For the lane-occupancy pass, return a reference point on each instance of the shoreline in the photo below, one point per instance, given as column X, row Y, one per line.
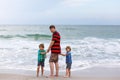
column 94, row 73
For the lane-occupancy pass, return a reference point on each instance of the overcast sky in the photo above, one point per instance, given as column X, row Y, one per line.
column 74, row 12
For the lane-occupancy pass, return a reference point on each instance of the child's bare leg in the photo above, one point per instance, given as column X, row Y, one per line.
column 67, row 73
column 38, row 71
column 42, row 71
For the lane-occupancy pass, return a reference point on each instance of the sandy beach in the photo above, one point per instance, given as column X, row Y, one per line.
column 94, row 73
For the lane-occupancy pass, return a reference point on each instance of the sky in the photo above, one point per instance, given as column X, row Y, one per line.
column 65, row 12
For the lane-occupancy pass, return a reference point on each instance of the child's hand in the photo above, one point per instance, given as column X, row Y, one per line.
column 47, row 52
column 45, row 56
column 43, row 52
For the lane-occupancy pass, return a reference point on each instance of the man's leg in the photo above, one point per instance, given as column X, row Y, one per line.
column 51, row 68
column 57, row 69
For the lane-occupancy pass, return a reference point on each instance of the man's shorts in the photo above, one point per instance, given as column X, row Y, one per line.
column 54, row 58
column 68, row 65
column 41, row 63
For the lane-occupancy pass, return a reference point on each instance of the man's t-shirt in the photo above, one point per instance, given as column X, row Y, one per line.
column 68, row 57
column 56, row 49
column 41, row 57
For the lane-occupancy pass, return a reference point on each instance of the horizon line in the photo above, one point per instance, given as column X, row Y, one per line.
column 59, row 24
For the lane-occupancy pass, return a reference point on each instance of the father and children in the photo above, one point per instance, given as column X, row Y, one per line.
column 55, row 49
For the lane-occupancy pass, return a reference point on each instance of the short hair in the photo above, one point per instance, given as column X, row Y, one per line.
column 68, row 47
column 52, row 26
column 41, row 45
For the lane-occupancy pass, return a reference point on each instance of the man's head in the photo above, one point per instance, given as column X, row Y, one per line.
column 52, row 28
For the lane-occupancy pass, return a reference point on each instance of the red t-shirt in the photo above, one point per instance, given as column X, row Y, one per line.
column 56, row 49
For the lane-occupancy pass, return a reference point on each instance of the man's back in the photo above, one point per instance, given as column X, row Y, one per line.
column 56, row 49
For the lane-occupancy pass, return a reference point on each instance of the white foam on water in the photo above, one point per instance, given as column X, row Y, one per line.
column 87, row 52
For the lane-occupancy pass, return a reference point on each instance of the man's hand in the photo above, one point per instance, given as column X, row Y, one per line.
column 48, row 50
column 51, row 44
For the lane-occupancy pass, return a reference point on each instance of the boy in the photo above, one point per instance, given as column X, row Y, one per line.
column 41, row 59
column 68, row 61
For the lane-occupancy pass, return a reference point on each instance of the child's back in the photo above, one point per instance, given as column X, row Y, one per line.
column 41, row 55
column 41, row 59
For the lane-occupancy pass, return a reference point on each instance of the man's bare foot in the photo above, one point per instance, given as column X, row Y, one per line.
column 56, row 75
column 50, row 76
column 66, row 76
column 37, row 76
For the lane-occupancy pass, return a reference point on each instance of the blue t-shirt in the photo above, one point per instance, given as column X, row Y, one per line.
column 68, row 57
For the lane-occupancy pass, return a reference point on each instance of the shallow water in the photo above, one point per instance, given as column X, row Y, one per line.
column 91, row 45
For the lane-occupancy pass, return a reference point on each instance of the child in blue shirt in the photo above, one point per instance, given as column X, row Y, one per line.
column 41, row 59
column 68, row 61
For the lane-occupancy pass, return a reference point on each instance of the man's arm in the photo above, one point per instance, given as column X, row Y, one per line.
column 63, row 54
column 51, row 44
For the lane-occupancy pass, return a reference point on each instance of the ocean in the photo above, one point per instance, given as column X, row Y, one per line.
column 91, row 45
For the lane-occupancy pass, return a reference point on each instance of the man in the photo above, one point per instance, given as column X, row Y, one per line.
column 55, row 51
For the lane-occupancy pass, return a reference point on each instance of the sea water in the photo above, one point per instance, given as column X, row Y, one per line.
column 91, row 45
